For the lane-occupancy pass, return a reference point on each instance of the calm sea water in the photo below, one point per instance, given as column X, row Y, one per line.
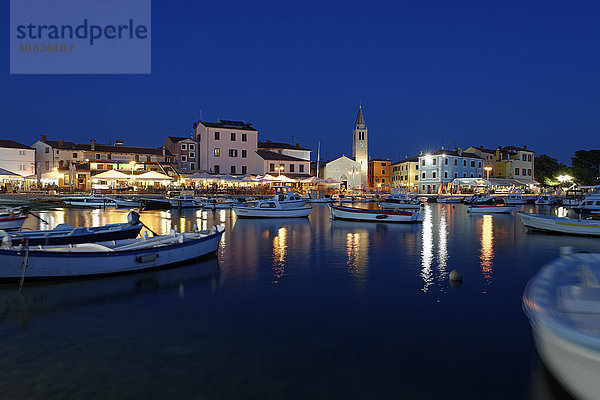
column 292, row 309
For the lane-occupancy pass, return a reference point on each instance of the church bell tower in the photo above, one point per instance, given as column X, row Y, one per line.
column 360, row 151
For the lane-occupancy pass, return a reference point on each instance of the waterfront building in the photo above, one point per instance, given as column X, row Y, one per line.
column 17, row 158
column 185, row 153
column 343, row 169
column 226, row 147
column 286, row 149
column 379, row 174
column 55, row 157
column 438, row 169
column 405, row 174
column 273, row 163
column 360, row 145
column 508, row 162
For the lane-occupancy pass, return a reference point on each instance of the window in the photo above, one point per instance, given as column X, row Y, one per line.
column 517, row 171
column 445, row 161
column 464, row 175
column 233, row 153
column 47, row 165
column 47, row 150
column 183, row 146
column 244, row 168
column 423, row 187
column 233, row 169
column 244, row 153
column 433, row 174
column 529, row 172
column 423, row 175
column 423, row 163
column 100, row 166
column 455, row 162
column 217, row 169
column 232, row 136
column 529, row 158
column 109, row 156
column 383, row 172
column 74, row 155
column 301, row 167
column 97, row 156
column 192, row 155
column 464, row 163
column 479, row 175
column 471, row 175
column 472, row 164
column 244, row 138
column 433, row 187
column 383, row 164
column 382, row 180
column 217, row 152
column 192, row 166
column 445, row 174
column 455, row 175
column 183, row 158
column 416, row 177
column 191, row 147
column 272, row 167
column 217, row 136
column 479, row 164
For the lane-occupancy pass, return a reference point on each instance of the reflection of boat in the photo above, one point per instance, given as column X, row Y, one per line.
column 66, row 234
column 367, row 215
column 449, row 200
column 270, row 208
column 11, row 218
column 567, row 226
column 89, row 259
column 545, row 200
column 562, row 304
column 490, row 209
column 544, row 386
column 74, row 293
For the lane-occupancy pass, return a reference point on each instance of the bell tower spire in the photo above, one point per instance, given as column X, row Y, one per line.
column 360, row 151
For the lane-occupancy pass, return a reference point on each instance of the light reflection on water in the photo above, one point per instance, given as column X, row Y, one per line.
column 487, row 250
column 427, row 249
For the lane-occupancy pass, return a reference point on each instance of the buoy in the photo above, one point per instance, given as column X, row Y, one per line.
column 455, row 275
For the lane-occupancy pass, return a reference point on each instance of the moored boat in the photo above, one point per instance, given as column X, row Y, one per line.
column 545, row 200
column 561, row 225
column 515, row 198
column 90, row 201
column 399, row 201
column 269, row 208
column 286, row 198
column 449, row 199
column 66, row 234
column 105, row 258
column 342, row 198
column 12, row 219
column 490, row 209
column 562, row 303
column 185, row 201
column 364, row 214
column 591, row 203
column 480, row 198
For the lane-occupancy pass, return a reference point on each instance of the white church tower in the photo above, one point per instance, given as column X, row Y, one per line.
column 360, row 151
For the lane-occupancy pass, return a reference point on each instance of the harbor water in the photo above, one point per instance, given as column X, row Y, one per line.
column 308, row 308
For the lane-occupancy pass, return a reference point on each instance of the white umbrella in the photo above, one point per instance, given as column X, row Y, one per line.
column 153, row 176
column 111, row 175
column 312, row 179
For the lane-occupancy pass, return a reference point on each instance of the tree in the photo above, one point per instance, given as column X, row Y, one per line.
column 586, row 167
column 547, row 169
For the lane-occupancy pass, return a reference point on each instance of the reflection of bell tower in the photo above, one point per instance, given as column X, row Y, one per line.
column 360, row 151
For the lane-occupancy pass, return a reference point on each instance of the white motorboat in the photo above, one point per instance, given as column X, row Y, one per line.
column 185, row 201
column 567, row 226
column 269, row 208
column 11, row 219
column 399, row 201
column 125, row 202
column 591, row 203
column 514, row 199
column 217, row 204
column 449, row 199
column 104, row 258
column 90, row 201
column 490, row 209
column 368, row 215
column 480, row 198
column 286, row 198
column 326, row 199
column 573, row 197
column 342, row 198
column 562, row 302
column 545, row 200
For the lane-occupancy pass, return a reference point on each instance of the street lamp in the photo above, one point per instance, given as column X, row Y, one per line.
column 280, row 168
column 132, row 163
column 488, row 169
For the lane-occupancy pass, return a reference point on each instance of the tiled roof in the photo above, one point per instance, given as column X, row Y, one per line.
column 105, row 148
column 13, row 145
column 272, row 156
column 411, row 159
column 278, row 145
column 455, row 153
column 176, row 139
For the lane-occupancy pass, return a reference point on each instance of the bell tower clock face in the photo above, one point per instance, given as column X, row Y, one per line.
column 362, row 144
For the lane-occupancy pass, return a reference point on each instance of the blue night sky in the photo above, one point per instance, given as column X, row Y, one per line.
column 481, row 73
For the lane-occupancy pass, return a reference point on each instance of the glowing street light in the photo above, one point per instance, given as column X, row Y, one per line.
column 488, row 169
column 280, row 168
column 564, row 178
column 132, row 163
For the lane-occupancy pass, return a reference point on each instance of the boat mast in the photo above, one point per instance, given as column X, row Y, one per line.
column 318, row 157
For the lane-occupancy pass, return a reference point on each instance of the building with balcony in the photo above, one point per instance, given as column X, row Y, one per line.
column 439, row 168
column 225, row 147
column 379, row 174
column 405, row 174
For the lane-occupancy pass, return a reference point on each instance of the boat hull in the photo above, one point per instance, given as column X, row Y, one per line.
column 449, row 200
column 398, row 206
column 43, row 265
column 257, row 212
column 53, row 237
column 12, row 223
column 485, row 209
column 565, row 226
column 366, row 215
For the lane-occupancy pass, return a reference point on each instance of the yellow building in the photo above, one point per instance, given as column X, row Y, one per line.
column 508, row 162
column 405, row 174
column 379, row 174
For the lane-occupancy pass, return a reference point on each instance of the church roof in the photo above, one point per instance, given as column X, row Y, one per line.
column 360, row 119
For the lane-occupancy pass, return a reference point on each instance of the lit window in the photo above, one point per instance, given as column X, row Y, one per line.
column 217, row 152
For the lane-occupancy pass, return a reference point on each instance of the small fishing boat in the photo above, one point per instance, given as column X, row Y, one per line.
column 490, row 209
column 12, row 218
column 105, row 258
column 562, row 303
column 126, row 202
column 185, row 201
column 270, row 208
column 90, row 201
column 285, row 196
column 66, row 234
column 514, row 199
column 480, row 198
column 449, row 199
column 399, row 201
column 545, row 200
column 567, row 226
column 342, row 198
column 326, row 199
column 217, row 203
column 364, row 214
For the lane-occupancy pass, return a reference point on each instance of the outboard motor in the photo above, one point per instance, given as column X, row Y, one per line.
column 133, row 218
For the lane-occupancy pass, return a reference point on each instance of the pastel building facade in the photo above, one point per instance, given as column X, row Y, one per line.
column 508, row 162
column 405, row 174
column 185, row 153
column 441, row 167
column 343, row 169
column 226, row 147
column 17, row 158
column 276, row 158
column 379, row 174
